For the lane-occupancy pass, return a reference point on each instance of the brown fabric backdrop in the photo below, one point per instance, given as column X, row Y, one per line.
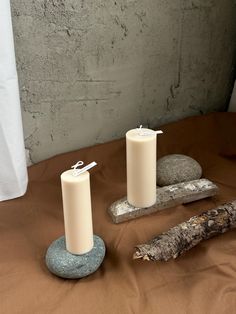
column 201, row 281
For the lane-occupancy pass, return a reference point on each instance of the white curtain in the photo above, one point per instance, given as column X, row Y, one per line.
column 232, row 103
column 13, row 171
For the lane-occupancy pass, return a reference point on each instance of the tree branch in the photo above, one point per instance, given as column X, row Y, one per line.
column 188, row 234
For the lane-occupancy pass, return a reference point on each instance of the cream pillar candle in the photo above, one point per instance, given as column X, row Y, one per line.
column 77, row 210
column 141, row 167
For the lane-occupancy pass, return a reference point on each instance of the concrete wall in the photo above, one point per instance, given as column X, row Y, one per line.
column 91, row 70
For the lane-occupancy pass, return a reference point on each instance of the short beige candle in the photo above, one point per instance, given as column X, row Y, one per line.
column 141, row 167
column 77, row 212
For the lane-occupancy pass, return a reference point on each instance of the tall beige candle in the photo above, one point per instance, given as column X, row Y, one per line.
column 141, row 167
column 77, row 211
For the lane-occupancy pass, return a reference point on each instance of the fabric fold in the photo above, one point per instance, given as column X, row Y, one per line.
column 13, row 170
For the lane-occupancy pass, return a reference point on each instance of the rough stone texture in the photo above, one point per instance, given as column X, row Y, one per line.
column 167, row 196
column 66, row 265
column 188, row 234
column 91, row 70
column 176, row 168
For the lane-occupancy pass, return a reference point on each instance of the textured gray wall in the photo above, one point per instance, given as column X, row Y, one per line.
column 90, row 70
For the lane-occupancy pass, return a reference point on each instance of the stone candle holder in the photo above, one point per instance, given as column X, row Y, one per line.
column 64, row 264
column 166, row 197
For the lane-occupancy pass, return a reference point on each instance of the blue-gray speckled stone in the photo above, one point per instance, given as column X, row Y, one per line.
column 66, row 265
column 176, row 168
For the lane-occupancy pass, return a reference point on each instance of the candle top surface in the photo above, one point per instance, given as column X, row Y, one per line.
column 141, row 135
column 68, row 176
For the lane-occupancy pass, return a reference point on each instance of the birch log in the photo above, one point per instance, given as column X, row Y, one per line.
column 166, row 197
column 188, row 234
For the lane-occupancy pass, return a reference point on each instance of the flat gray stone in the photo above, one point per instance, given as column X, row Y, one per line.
column 167, row 196
column 66, row 265
column 176, row 168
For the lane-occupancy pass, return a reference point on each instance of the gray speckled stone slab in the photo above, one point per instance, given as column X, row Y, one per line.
column 176, row 168
column 66, row 265
column 167, row 196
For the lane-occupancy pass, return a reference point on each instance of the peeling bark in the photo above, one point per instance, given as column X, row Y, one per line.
column 188, row 234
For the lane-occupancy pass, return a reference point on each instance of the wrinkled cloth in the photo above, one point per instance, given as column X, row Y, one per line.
column 201, row 281
column 232, row 103
column 13, row 171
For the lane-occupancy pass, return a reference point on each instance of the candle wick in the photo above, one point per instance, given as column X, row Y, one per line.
column 159, row 132
column 77, row 171
column 141, row 132
column 79, row 163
